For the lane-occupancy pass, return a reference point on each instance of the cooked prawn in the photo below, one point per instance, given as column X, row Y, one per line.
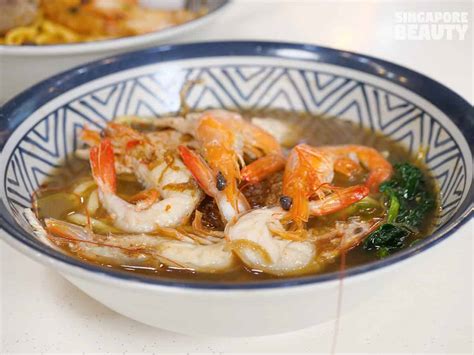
column 250, row 139
column 214, row 185
column 173, row 181
column 308, row 174
column 223, row 138
column 136, row 249
column 255, row 244
column 217, row 168
column 259, row 239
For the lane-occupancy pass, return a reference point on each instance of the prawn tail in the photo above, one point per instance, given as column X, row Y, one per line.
column 103, row 166
column 263, row 167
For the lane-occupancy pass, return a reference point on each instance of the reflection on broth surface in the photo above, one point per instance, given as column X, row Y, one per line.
column 173, row 200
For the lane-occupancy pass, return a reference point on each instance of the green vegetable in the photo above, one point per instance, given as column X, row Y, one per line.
column 365, row 207
column 388, row 236
column 409, row 186
column 409, row 202
column 383, row 252
column 394, row 208
column 366, row 203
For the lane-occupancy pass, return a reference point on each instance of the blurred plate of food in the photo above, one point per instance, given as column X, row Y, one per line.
column 39, row 38
column 80, row 26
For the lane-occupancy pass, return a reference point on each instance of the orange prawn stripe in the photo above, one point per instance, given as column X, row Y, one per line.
column 103, row 165
column 199, row 169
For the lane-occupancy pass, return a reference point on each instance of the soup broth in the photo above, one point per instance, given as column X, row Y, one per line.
column 55, row 199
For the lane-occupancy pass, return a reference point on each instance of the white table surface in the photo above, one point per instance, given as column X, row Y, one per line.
column 427, row 308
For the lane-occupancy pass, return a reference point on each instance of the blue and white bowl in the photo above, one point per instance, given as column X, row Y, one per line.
column 39, row 128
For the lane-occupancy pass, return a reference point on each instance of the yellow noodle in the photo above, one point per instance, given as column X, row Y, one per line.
column 81, row 188
column 44, row 31
column 93, row 203
column 21, row 35
column 97, row 225
column 59, row 33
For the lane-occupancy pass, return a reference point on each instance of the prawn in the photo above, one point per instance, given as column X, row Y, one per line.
column 173, row 181
column 216, row 167
column 223, row 138
column 310, row 171
column 307, row 185
column 255, row 142
column 260, row 240
column 137, row 249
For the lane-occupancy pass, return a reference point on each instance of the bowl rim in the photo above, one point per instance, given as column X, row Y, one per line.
column 99, row 46
column 454, row 106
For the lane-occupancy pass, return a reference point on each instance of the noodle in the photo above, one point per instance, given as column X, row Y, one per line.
column 41, row 32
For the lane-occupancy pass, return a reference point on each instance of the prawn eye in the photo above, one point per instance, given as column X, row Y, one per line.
column 221, row 182
column 286, row 202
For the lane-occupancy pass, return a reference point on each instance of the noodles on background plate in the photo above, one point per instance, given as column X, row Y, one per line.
column 47, row 22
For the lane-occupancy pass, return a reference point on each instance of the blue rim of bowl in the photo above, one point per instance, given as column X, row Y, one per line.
column 87, row 46
column 455, row 107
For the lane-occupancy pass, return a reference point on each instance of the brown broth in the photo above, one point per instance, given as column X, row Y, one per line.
column 313, row 130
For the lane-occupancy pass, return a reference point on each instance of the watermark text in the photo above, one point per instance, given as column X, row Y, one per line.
column 431, row 26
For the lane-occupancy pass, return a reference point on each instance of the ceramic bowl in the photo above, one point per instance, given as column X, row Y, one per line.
column 22, row 66
column 39, row 128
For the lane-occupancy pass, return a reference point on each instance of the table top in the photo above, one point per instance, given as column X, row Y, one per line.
column 427, row 308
